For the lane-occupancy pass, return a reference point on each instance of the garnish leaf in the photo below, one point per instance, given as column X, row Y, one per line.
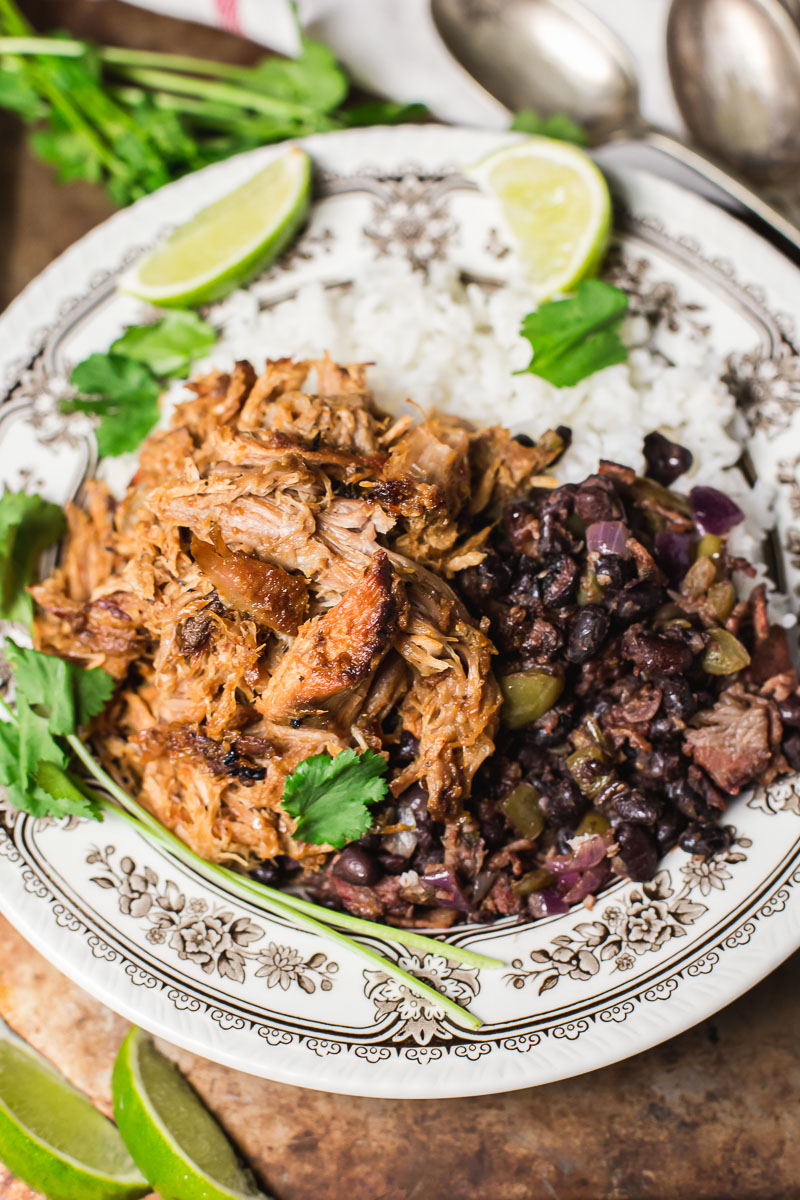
column 167, row 346
column 28, row 525
column 18, row 96
column 573, row 338
column 32, row 769
column 314, row 79
column 330, row 797
column 558, row 126
column 123, row 393
column 68, row 694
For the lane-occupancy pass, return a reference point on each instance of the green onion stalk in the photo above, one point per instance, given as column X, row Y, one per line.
column 303, row 914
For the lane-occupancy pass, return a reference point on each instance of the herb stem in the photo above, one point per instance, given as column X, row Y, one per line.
column 53, row 47
column 261, row 891
column 139, row 817
column 211, row 90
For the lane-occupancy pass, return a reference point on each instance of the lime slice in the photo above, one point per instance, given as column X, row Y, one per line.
column 225, row 244
column 53, row 1138
column 176, row 1142
column 555, row 206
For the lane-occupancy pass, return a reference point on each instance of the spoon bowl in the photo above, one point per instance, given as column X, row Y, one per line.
column 735, row 70
column 555, row 56
column 550, row 55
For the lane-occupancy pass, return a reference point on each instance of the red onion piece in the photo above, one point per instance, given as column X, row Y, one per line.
column 607, row 537
column 590, row 882
column 714, row 512
column 588, row 854
column 673, row 554
column 444, row 881
column 547, row 903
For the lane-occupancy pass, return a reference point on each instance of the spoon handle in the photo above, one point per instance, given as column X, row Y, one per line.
column 735, row 189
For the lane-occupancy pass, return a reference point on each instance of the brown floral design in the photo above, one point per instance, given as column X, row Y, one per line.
column 217, row 941
column 652, row 914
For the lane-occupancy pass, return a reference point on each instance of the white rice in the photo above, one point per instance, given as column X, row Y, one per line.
column 455, row 347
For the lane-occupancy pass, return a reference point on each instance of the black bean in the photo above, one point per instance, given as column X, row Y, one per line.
column 553, row 727
column 790, row 711
column 523, row 439
column 636, row 602
column 669, row 829
column 638, row 850
column 560, row 583
column 690, row 802
column 563, row 837
column 597, row 500
column 490, row 578
column 637, row 808
column 791, row 748
column 704, row 839
column 356, row 866
column 666, row 460
column 655, row 653
column 268, row 872
column 677, row 697
column 392, row 864
column 406, row 749
column 562, row 801
column 586, row 631
column 611, row 570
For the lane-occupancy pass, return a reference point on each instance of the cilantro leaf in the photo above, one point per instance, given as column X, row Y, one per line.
column 313, row 80
column 383, row 112
column 167, row 346
column 32, row 769
column 68, row 694
column 558, row 126
column 18, row 95
column 28, row 525
column 330, row 797
column 123, row 393
column 573, row 338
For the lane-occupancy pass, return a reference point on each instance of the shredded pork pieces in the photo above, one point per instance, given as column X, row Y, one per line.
column 562, row 679
column 262, row 594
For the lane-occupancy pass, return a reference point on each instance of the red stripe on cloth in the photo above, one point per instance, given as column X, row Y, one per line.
column 228, row 13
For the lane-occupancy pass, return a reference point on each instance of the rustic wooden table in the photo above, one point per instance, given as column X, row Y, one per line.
column 708, row 1116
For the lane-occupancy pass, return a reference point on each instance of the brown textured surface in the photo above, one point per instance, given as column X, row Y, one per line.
column 708, row 1116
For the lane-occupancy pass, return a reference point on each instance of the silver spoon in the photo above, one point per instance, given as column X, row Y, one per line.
column 735, row 71
column 555, row 56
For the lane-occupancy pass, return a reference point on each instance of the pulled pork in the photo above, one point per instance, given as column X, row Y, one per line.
column 261, row 593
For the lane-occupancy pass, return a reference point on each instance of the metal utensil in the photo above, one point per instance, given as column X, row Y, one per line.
column 555, row 56
column 735, row 71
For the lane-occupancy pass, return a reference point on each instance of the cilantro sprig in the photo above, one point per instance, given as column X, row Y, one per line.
column 53, row 698
column 122, row 386
column 28, row 525
column 558, row 126
column 576, row 337
column 134, row 119
column 330, row 798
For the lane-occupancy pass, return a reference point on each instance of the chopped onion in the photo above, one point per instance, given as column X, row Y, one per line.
column 673, row 554
column 444, row 881
column 587, row 853
column 607, row 537
column 713, row 511
column 547, row 903
column 589, row 883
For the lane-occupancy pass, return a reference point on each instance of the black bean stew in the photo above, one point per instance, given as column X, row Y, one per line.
column 641, row 693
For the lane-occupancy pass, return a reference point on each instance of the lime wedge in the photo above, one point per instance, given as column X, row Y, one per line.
column 176, row 1142
column 53, row 1138
column 555, row 206
column 225, row 244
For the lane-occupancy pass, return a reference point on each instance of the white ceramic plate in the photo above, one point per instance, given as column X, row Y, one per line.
column 183, row 959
